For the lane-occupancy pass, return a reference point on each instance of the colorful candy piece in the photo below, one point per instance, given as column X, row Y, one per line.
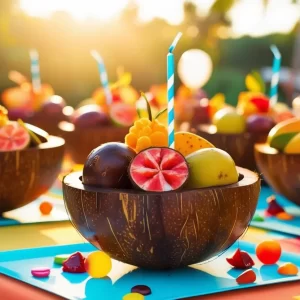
column 98, row 264
column 60, row 259
column 241, row 260
column 258, row 218
column 288, row 269
column 284, row 216
column 141, row 289
column 46, row 208
column 273, row 207
column 74, row 264
column 133, row 296
column 248, row 276
column 40, row 272
column 268, row 252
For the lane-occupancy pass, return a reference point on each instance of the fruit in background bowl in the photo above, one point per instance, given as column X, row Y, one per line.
column 279, row 159
column 259, row 123
column 30, row 158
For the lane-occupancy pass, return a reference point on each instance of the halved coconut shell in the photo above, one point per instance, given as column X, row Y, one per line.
column 162, row 230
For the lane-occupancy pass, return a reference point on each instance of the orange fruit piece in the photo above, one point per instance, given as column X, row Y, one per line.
column 288, row 269
column 46, row 208
column 284, row 216
column 248, row 276
column 268, row 252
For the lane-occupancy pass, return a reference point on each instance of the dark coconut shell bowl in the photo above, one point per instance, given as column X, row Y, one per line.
column 81, row 141
column 29, row 173
column 162, row 230
column 280, row 170
column 239, row 146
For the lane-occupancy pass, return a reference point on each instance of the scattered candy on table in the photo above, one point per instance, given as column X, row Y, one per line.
column 258, row 218
column 60, row 259
column 141, row 289
column 40, row 272
column 133, row 296
column 268, row 252
column 46, row 208
column 284, row 216
column 98, row 264
column 240, row 260
column 248, row 276
column 273, row 207
column 74, row 264
column 289, row 269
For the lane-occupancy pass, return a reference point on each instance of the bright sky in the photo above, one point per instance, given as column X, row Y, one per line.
column 248, row 16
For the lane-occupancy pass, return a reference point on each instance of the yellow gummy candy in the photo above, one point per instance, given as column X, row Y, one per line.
column 143, row 142
column 98, row 264
column 131, row 140
column 133, row 296
column 159, row 139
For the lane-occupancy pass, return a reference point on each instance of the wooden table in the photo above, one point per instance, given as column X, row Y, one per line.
column 26, row 236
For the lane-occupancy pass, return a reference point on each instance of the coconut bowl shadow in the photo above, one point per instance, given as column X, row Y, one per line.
column 81, row 141
column 239, row 146
column 280, row 170
column 162, row 230
column 29, row 173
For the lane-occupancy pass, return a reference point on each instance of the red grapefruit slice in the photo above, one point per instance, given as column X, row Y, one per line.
column 13, row 137
column 123, row 114
column 159, row 170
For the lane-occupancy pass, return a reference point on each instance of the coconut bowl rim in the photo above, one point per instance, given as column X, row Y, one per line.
column 62, row 126
column 205, row 128
column 246, row 178
column 266, row 149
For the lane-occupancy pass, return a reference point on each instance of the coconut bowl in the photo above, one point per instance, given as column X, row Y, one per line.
column 239, row 146
column 81, row 141
column 29, row 173
column 162, row 230
column 280, row 170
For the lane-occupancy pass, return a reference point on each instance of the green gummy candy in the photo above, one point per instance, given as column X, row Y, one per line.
column 60, row 259
column 258, row 218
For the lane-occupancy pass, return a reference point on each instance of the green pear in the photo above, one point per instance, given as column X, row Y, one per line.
column 211, row 167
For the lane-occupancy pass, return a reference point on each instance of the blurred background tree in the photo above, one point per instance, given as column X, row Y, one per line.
column 64, row 42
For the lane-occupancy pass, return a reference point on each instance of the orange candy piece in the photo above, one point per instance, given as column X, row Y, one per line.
column 46, row 208
column 288, row 269
column 248, row 276
column 268, row 252
column 284, row 216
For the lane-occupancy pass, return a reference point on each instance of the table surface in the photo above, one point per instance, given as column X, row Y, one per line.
column 37, row 235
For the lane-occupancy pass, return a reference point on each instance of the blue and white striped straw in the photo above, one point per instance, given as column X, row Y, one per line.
column 171, row 91
column 275, row 75
column 103, row 76
column 35, row 70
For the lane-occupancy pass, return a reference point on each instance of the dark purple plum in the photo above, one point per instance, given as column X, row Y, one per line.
column 201, row 112
column 107, row 166
column 89, row 116
column 19, row 113
column 53, row 106
column 259, row 123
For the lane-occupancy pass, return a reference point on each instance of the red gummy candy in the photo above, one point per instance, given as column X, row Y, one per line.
column 248, row 276
column 241, row 260
column 74, row 264
column 273, row 207
column 262, row 103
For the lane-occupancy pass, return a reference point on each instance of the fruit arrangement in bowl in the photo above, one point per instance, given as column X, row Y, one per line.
column 30, row 161
column 279, row 159
column 41, row 108
column 153, row 206
column 95, row 122
column 237, row 129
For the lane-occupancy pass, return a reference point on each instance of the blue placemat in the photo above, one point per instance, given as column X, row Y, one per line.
column 213, row 277
column 272, row 223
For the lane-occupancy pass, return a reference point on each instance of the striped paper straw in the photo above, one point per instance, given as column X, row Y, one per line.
column 275, row 75
column 103, row 76
column 35, row 70
column 171, row 91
